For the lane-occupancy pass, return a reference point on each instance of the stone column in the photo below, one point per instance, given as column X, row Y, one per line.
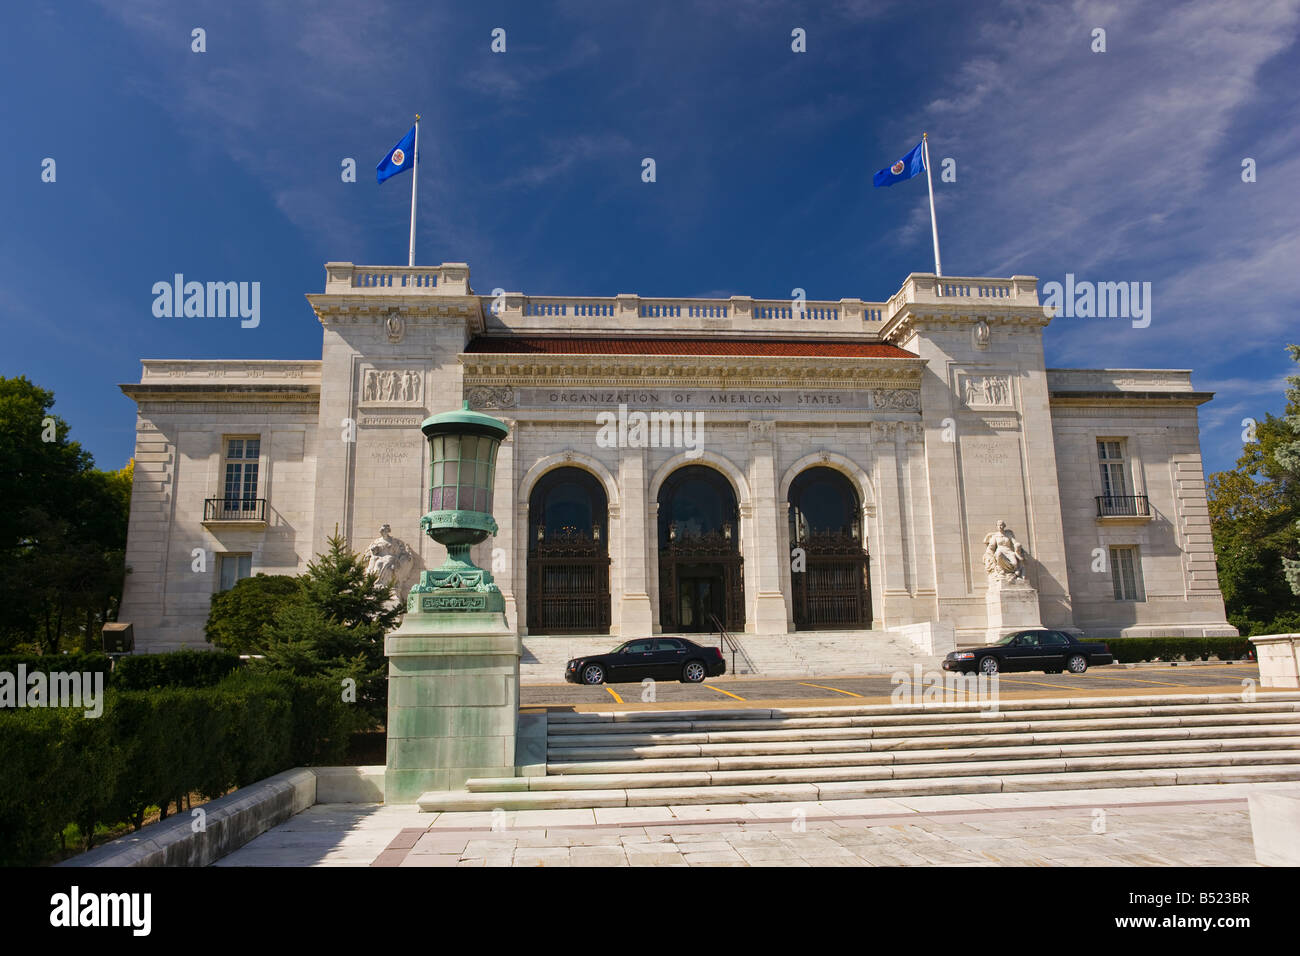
column 889, row 553
column 763, row 566
column 634, row 618
column 503, row 543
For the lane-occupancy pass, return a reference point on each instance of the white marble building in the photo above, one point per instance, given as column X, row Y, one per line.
column 820, row 465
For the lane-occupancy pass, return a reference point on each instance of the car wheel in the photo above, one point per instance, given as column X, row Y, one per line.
column 988, row 665
column 593, row 674
column 1077, row 664
column 693, row 672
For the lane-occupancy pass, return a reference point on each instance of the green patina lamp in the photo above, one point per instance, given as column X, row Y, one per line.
column 462, row 467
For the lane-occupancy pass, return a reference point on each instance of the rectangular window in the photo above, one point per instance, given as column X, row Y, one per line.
column 232, row 568
column 1114, row 468
column 1126, row 574
column 239, row 488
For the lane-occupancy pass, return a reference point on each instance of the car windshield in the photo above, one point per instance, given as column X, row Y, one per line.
column 1007, row 639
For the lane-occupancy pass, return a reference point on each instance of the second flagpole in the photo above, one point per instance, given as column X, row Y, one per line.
column 934, row 225
column 415, row 173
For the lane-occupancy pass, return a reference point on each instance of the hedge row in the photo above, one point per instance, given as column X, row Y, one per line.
column 152, row 747
column 45, row 663
column 177, row 669
column 135, row 671
column 1132, row 649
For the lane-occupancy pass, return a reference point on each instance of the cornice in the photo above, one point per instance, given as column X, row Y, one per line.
column 344, row 309
column 943, row 318
column 223, row 393
column 702, row 371
column 1157, row 399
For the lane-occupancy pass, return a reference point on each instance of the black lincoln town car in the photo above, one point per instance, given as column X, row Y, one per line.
column 660, row 658
column 1037, row 649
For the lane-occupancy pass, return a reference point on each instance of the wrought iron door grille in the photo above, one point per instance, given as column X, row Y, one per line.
column 568, row 585
column 834, row 589
column 707, row 549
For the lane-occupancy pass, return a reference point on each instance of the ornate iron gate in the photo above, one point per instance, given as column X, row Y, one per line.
column 685, row 554
column 834, row 590
column 568, row 585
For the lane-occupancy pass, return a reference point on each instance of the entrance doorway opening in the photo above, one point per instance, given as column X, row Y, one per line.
column 701, row 572
column 831, row 573
column 568, row 554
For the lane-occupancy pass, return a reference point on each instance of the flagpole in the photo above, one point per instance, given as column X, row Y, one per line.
column 415, row 172
column 934, row 225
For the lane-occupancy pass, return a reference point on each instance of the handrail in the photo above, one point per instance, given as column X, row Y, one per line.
column 725, row 641
column 1123, row 506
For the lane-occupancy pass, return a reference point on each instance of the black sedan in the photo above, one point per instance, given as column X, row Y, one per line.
column 660, row 658
column 1037, row 649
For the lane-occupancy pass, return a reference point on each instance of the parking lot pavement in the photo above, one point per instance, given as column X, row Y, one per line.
column 874, row 689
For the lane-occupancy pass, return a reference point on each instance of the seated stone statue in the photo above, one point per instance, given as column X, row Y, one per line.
column 1004, row 557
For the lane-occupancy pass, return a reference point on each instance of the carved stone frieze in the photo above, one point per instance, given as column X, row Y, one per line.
column 391, row 386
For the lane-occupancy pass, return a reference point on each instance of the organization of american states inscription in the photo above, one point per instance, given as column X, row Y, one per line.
column 584, row 397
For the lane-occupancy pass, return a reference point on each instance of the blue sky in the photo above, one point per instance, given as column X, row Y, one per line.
column 225, row 165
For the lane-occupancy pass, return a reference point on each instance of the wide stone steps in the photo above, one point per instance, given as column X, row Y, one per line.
column 956, row 753
column 883, row 770
column 558, row 755
column 570, row 743
column 849, row 790
column 661, row 758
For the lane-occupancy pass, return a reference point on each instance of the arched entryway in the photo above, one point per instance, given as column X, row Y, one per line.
column 830, row 571
column 568, row 554
column 701, row 571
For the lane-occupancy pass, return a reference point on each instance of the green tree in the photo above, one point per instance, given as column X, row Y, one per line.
column 62, row 530
column 236, row 617
column 337, row 630
column 1254, row 510
column 1287, row 456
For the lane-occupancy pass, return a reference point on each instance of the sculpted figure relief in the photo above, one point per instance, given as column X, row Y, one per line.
column 390, row 385
column 387, row 556
column 1004, row 557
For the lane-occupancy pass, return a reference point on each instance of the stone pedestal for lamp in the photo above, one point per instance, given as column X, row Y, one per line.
column 453, row 665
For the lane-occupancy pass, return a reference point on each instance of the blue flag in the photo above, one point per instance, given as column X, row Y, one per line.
column 910, row 165
column 400, row 158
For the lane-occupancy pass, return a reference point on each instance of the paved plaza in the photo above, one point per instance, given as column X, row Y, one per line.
column 1150, row 826
column 1107, row 681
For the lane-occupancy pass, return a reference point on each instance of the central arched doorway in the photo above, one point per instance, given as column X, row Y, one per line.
column 568, row 554
column 830, row 573
column 701, row 572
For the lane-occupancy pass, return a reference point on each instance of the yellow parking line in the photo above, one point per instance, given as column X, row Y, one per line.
column 1137, row 680
column 1004, row 677
column 721, row 691
column 824, row 687
column 612, row 694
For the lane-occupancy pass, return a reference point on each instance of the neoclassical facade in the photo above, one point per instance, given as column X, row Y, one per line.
column 679, row 465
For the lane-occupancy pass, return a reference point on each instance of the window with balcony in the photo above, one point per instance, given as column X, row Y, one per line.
column 1114, row 468
column 239, row 500
column 1116, row 499
column 1126, row 573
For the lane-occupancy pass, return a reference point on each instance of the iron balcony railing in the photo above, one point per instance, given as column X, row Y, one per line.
column 1123, row 506
column 234, row 509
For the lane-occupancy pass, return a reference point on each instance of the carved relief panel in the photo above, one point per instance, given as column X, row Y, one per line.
column 391, row 387
column 985, row 390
